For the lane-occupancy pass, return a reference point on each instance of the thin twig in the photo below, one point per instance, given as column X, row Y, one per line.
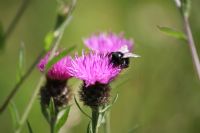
column 16, row 18
column 192, row 47
column 22, row 79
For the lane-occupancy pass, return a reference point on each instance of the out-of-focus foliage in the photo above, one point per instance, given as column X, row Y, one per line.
column 173, row 33
column 161, row 93
column 2, row 39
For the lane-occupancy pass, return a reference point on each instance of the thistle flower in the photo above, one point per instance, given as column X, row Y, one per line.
column 59, row 70
column 97, row 72
column 92, row 68
column 56, row 79
column 108, row 42
column 116, row 46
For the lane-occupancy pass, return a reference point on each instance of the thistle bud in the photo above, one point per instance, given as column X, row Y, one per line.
column 95, row 95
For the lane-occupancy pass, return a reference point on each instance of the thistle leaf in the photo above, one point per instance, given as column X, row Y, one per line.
column 103, row 111
column 48, row 40
column 79, row 107
column 62, row 118
column 173, row 33
column 45, row 112
column 100, row 119
column 52, row 108
column 59, row 57
column 89, row 128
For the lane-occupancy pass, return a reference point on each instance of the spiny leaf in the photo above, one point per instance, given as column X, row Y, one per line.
column 59, row 57
column 29, row 127
column 14, row 114
column 172, row 32
column 48, row 40
column 62, row 118
column 79, row 107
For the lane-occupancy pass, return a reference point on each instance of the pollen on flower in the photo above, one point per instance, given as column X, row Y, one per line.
column 108, row 42
column 92, row 68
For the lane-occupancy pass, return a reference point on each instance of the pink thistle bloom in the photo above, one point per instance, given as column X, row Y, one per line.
column 93, row 68
column 59, row 70
column 108, row 42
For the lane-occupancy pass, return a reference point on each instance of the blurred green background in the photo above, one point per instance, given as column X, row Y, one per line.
column 161, row 93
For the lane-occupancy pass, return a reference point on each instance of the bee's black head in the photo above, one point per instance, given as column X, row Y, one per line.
column 118, row 60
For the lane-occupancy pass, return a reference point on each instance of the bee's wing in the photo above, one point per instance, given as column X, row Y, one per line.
column 124, row 49
column 127, row 55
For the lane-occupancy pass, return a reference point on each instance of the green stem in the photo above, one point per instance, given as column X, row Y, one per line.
column 52, row 123
column 191, row 43
column 190, row 39
column 95, row 117
column 20, row 82
column 17, row 17
column 34, row 96
column 107, row 123
column 25, row 76
column 30, row 104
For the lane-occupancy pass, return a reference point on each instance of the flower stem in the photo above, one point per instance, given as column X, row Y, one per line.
column 16, row 18
column 52, row 123
column 95, row 118
column 25, row 76
column 107, row 123
column 56, row 41
column 20, row 82
column 30, row 104
column 191, row 44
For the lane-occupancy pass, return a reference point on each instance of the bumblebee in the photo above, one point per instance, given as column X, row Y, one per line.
column 122, row 57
